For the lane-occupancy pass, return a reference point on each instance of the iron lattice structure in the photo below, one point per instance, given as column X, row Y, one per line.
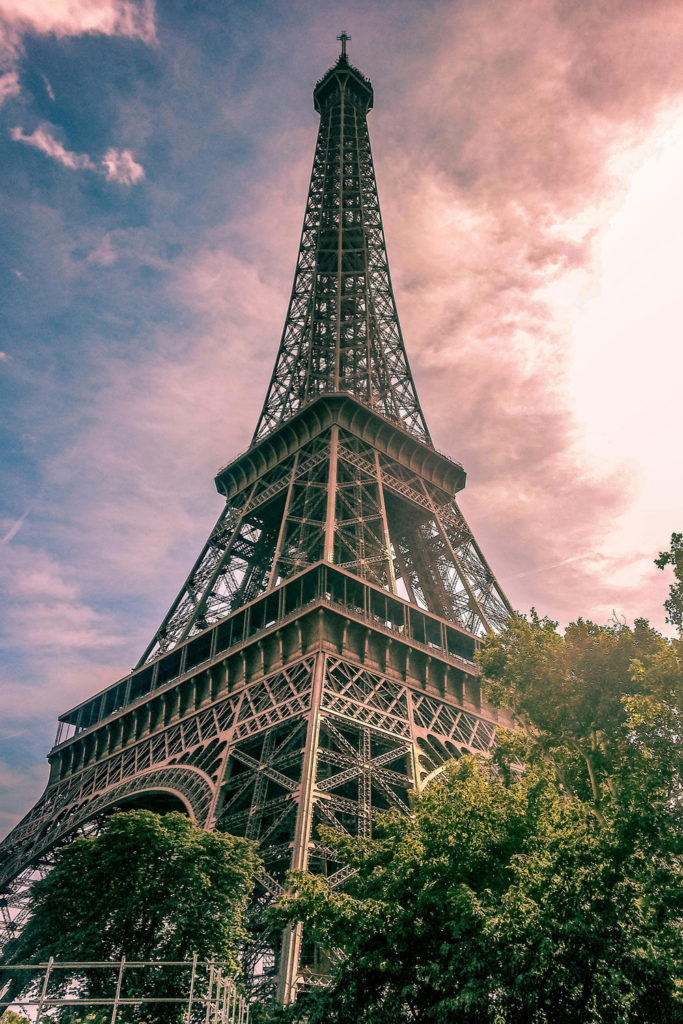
column 317, row 663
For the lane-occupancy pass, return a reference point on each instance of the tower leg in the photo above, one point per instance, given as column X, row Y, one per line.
column 291, row 940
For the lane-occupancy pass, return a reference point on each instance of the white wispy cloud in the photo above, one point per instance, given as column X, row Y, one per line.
column 43, row 140
column 48, row 88
column 9, row 85
column 45, row 605
column 117, row 165
column 17, row 525
column 64, row 18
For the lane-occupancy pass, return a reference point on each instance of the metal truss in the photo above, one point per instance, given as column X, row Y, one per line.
column 327, row 498
column 339, row 499
column 240, row 764
column 342, row 331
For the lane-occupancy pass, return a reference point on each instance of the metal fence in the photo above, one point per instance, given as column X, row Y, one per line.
column 205, row 992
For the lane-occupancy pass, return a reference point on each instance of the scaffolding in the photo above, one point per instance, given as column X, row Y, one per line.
column 205, row 990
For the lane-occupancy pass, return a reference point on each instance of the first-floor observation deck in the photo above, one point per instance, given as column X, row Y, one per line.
column 321, row 585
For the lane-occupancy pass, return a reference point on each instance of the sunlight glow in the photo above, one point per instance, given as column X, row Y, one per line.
column 627, row 339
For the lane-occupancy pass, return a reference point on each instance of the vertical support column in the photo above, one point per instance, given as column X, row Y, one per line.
column 414, row 750
column 283, row 525
column 117, row 996
column 209, row 997
column 385, row 526
column 291, row 939
column 214, row 808
column 192, row 981
column 340, row 244
column 330, row 517
column 474, row 603
column 405, row 576
column 365, row 788
column 256, row 810
column 43, row 991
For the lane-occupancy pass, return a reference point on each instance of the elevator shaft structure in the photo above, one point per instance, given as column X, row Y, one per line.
column 317, row 664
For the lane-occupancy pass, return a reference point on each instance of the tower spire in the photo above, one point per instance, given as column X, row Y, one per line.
column 342, row 333
column 344, row 38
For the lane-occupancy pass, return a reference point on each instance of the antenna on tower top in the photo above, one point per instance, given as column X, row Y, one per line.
column 344, row 38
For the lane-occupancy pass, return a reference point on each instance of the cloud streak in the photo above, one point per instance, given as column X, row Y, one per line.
column 117, row 165
column 48, row 88
column 45, row 141
column 13, row 530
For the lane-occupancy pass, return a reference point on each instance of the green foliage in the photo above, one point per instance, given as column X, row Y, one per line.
column 570, row 691
column 10, row 1017
column 272, row 1013
column 543, row 886
column 499, row 901
column 674, row 603
column 148, row 887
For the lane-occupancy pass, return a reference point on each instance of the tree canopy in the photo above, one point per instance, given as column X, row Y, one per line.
column 674, row 558
column 576, row 692
column 540, row 886
column 148, row 887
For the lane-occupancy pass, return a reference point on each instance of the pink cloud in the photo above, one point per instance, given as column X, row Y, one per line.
column 46, row 608
column 77, row 17
column 494, row 141
column 43, row 140
column 48, row 87
column 493, row 166
column 17, row 788
column 12, row 528
column 117, row 165
column 132, row 245
column 494, row 149
column 183, row 410
column 120, row 166
column 64, row 18
column 9, row 85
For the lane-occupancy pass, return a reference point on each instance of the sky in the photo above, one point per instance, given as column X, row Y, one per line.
column 155, row 162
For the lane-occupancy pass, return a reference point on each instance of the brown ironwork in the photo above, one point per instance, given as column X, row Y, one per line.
column 317, row 664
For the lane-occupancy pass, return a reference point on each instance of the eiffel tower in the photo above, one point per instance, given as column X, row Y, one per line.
column 317, row 664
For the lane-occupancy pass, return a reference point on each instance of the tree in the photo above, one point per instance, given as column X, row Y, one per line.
column 500, row 900
column 674, row 603
column 10, row 1017
column 569, row 691
column 148, row 887
column 543, row 886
